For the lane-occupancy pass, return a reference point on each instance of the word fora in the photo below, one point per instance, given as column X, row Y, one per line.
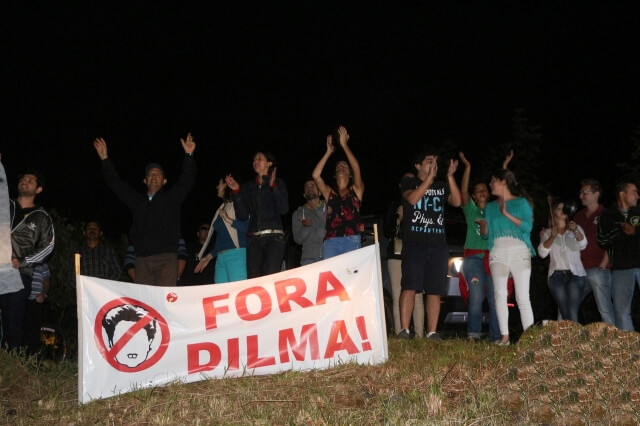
column 207, row 356
column 287, row 292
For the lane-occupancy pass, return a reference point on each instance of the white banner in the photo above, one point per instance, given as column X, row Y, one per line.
column 134, row 336
column 10, row 280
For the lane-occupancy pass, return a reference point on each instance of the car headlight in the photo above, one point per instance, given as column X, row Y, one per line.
column 455, row 263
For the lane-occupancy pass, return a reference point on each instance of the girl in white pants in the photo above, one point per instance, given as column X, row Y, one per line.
column 510, row 255
column 508, row 225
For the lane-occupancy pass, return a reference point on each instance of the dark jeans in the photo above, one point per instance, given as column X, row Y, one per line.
column 32, row 324
column 265, row 254
column 480, row 287
column 567, row 290
column 13, row 306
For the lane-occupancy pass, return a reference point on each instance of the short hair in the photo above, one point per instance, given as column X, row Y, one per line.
column 593, row 184
column 39, row 176
column 152, row 166
column 622, row 187
column 97, row 222
column 425, row 152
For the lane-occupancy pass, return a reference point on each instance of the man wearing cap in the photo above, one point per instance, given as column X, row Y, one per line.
column 156, row 218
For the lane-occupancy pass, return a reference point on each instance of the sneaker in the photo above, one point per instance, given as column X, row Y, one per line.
column 434, row 336
column 473, row 338
column 405, row 335
column 501, row 343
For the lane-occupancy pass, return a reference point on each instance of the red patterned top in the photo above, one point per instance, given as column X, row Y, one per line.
column 343, row 215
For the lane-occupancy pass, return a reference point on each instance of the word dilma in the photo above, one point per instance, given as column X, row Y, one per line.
column 207, row 356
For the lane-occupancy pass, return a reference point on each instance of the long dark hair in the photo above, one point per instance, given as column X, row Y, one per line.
column 270, row 158
column 512, row 183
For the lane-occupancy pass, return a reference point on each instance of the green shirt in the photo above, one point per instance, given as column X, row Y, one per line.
column 473, row 239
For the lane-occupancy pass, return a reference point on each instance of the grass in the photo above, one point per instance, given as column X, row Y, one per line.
column 561, row 373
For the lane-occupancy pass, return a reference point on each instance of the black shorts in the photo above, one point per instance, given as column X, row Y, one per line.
column 424, row 267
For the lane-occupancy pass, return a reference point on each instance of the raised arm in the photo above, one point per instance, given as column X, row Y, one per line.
column 232, row 183
column 466, row 177
column 522, row 216
column 188, row 144
column 240, row 203
column 358, row 184
column 455, row 198
column 414, row 195
column 101, row 148
column 324, row 189
column 507, row 160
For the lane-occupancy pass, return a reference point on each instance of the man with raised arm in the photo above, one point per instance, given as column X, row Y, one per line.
column 155, row 214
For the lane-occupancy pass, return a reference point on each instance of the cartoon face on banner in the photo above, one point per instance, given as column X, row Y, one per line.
column 131, row 335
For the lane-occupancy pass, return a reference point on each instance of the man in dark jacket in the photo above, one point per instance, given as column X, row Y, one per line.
column 619, row 235
column 155, row 214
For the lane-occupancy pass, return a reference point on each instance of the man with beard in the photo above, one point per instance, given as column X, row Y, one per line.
column 96, row 259
column 308, row 224
column 32, row 242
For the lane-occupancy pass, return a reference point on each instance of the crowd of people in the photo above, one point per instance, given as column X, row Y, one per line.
column 591, row 250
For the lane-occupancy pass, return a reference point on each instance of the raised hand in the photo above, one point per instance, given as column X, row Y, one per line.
column 464, row 159
column 507, row 159
column 433, row 168
column 344, row 136
column 101, row 148
column 231, row 183
column 330, row 146
column 453, row 166
column 188, row 144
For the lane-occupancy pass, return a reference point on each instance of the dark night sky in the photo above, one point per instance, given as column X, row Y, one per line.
column 243, row 77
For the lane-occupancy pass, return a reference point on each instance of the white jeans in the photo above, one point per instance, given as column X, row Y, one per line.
column 511, row 256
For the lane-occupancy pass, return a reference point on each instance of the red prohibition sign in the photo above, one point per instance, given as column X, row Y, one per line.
column 110, row 354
